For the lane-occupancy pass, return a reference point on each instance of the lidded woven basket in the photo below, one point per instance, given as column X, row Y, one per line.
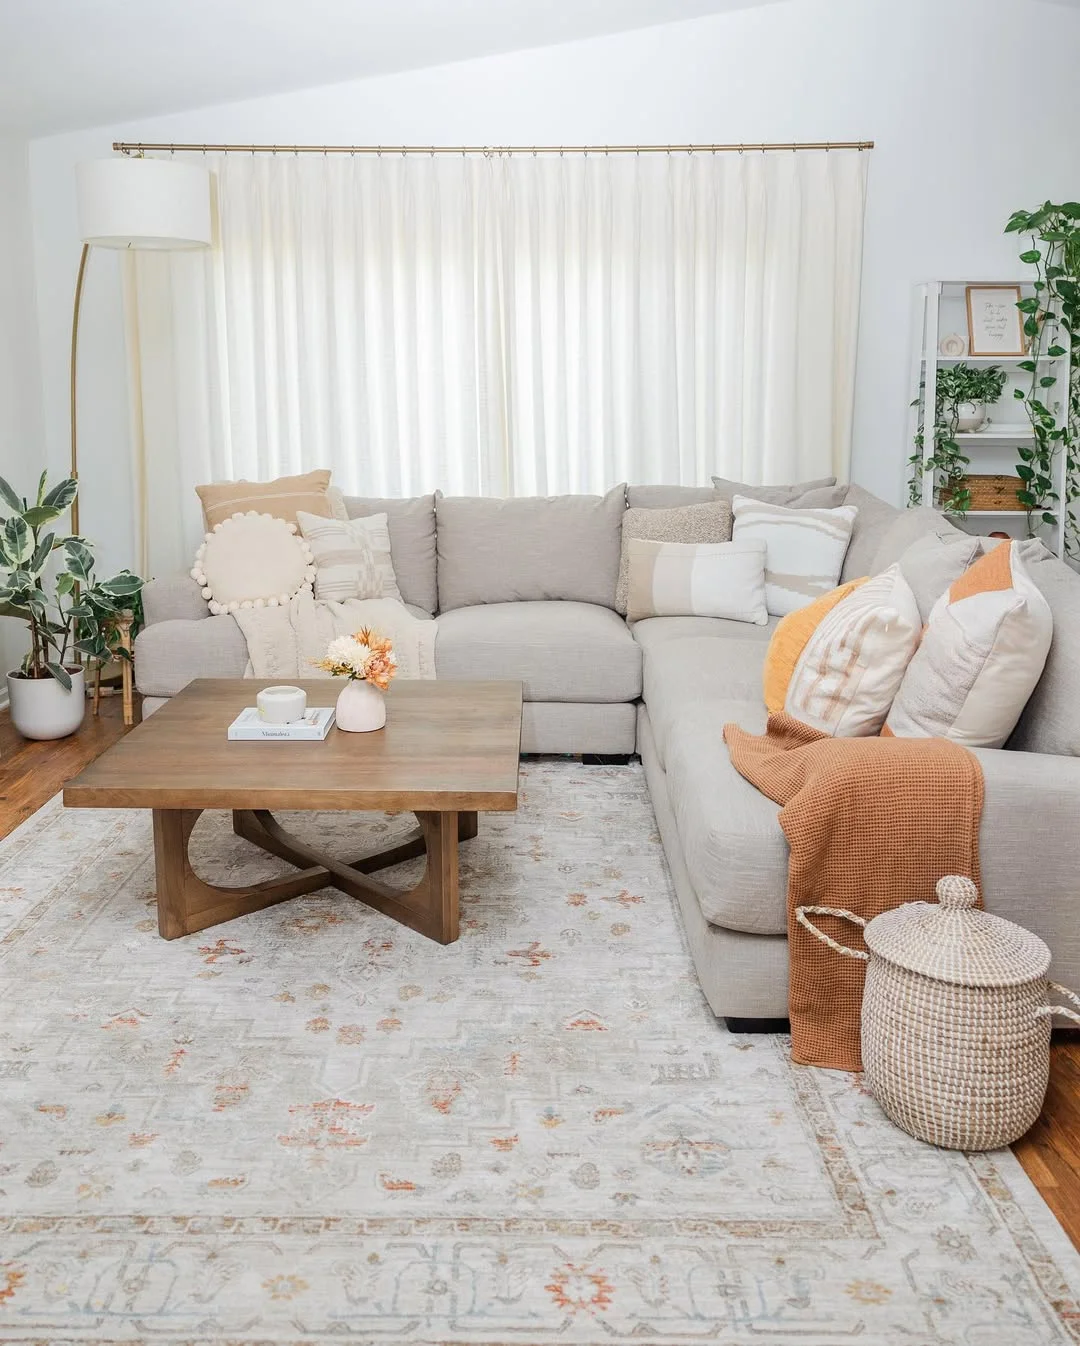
column 955, row 1019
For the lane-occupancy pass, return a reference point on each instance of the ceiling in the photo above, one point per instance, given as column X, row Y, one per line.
column 66, row 64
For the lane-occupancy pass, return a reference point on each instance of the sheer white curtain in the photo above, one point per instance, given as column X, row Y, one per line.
column 502, row 325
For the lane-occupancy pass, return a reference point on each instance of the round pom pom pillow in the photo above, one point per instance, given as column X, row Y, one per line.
column 252, row 560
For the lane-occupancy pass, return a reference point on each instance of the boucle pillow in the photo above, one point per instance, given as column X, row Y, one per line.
column 352, row 557
column 805, row 548
column 281, row 497
column 252, row 561
column 676, row 579
column 709, row 522
column 982, row 652
column 789, row 640
column 848, row 673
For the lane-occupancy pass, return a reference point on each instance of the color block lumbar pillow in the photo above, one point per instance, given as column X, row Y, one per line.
column 281, row 497
column 805, row 548
column 850, row 668
column 678, row 579
column 252, row 561
column 707, row 522
column 981, row 655
column 789, row 640
column 346, row 560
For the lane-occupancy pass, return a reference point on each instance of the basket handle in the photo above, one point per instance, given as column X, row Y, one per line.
column 802, row 916
column 1044, row 1010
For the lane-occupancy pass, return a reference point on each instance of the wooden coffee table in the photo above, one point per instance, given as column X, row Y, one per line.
column 449, row 750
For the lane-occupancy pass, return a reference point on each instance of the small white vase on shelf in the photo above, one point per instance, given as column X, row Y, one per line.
column 361, row 707
column 970, row 417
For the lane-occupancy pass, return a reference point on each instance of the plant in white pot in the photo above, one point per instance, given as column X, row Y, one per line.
column 48, row 581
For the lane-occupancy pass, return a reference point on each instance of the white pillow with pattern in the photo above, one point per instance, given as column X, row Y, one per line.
column 345, row 559
column 805, row 548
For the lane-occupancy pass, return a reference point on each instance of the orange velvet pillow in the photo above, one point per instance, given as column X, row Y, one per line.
column 789, row 640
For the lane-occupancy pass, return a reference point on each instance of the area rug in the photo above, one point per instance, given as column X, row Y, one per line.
column 311, row 1125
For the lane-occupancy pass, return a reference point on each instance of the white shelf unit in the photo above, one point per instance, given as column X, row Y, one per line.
column 940, row 310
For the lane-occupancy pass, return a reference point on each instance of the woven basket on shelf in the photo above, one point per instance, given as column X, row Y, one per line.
column 992, row 492
column 955, row 1019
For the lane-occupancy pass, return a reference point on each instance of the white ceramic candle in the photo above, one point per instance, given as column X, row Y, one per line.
column 282, row 705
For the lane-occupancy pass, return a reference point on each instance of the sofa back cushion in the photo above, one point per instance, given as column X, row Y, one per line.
column 871, row 522
column 412, row 542
column 669, row 497
column 1051, row 720
column 529, row 549
column 906, row 527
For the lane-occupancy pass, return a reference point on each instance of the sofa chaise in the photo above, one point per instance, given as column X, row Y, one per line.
column 525, row 589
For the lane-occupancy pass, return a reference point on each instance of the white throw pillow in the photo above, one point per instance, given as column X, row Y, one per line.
column 983, row 651
column 805, row 548
column 252, row 560
column 704, row 579
column 345, row 561
column 848, row 673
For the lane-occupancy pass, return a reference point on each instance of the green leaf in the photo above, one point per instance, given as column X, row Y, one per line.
column 1026, row 498
column 80, row 559
column 1031, row 327
column 39, row 515
column 18, row 544
column 1055, row 352
column 60, row 673
column 41, row 485
column 9, row 497
column 1049, row 518
column 1032, row 255
column 123, row 585
column 41, row 554
column 1028, row 305
column 1028, row 366
column 62, row 494
column 1047, row 381
column 1025, row 473
column 1019, row 394
column 65, row 581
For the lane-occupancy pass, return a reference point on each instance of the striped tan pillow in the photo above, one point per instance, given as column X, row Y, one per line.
column 707, row 579
column 805, row 548
column 282, row 497
column 345, row 561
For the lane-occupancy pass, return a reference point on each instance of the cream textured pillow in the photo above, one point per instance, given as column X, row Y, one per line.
column 352, row 556
column 981, row 655
column 848, row 673
column 708, row 522
column 805, row 548
column 281, row 497
column 252, row 561
column 675, row 579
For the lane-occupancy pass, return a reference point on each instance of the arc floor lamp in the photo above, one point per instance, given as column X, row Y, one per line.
column 133, row 202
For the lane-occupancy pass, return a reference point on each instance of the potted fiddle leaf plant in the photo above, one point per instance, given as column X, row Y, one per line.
column 48, row 581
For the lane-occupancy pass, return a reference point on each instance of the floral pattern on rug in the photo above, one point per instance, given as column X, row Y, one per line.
column 313, row 1125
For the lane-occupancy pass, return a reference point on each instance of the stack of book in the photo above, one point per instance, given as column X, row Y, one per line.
column 250, row 726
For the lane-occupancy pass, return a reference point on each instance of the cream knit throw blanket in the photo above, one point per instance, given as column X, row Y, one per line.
column 284, row 642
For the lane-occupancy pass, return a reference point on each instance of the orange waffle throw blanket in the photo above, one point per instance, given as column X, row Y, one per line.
column 871, row 823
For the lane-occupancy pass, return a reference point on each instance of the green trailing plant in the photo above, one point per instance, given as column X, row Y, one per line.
column 1052, row 328
column 48, row 581
column 955, row 385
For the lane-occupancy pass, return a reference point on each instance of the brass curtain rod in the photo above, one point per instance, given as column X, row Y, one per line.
column 137, row 147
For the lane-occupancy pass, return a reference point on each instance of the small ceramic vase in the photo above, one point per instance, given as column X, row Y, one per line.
column 970, row 417
column 361, row 707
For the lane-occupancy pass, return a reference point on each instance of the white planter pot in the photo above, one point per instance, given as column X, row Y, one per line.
column 41, row 708
column 361, row 707
column 970, row 417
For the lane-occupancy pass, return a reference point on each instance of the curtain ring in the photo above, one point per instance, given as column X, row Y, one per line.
column 378, row 151
column 741, row 149
column 172, row 150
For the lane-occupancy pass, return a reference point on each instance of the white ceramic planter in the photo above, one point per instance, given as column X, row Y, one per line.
column 42, row 708
column 361, row 707
column 970, row 417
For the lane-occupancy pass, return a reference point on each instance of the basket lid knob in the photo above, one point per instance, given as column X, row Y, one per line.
column 957, row 892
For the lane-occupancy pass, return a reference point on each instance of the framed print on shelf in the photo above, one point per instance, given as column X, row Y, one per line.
column 995, row 324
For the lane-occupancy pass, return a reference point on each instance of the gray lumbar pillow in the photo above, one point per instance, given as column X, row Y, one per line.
column 933, row 562
column 823, row 493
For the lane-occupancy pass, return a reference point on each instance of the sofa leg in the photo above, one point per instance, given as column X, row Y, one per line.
column 736, row 1025
column 605, row 759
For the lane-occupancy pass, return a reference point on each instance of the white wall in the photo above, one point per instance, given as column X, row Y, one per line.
column 21, row 444
column 938, row 84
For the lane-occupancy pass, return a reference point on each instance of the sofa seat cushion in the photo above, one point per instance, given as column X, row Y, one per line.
column 699, row 671
column 170, row 654
column 560, row 651
column 735, row 851
column 652, row 631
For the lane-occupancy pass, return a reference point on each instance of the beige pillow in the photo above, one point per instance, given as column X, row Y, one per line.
column 983, row 651
column 805, row 548
column 709, row 522
column 345, row 565
column 850, row 668
column 707, row 579
column 252, row 561
column 281, row 497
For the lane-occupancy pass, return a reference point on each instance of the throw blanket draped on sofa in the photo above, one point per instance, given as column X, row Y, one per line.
column 870, row 823
column 283, row 642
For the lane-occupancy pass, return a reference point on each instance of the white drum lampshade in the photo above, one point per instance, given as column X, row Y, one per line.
column 143, row 203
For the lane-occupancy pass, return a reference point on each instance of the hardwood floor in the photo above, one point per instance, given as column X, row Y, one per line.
column 31, row 773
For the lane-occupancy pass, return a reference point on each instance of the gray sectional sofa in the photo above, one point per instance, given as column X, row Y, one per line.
column 525, row 589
